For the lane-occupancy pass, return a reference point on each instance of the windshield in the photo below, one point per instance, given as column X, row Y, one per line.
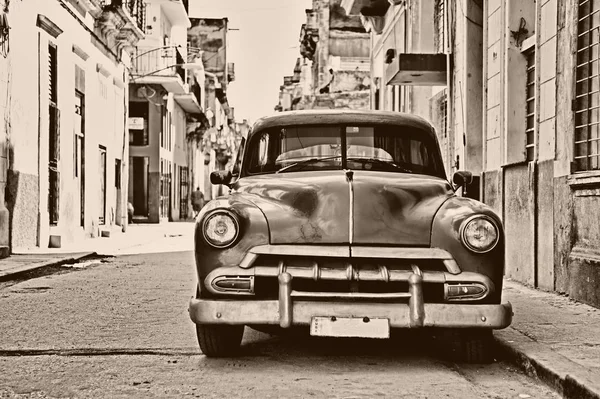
column 379, row 148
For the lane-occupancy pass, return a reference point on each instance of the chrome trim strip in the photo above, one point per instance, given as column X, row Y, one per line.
column 316, row 271
column 338, row 251
column 333, row 251
column 486, row 292
column 416, row 270
column 400, row 253
column 248, row 260
column 214, row 288
column 357, row 252
column 203, row 311
column 349, row 175
column 280, row 267
column 385, row 274
column 285, row 300
column 349, row 271
column 451, row 266
column 343, row 275
column 416, row 302
column 351, row 295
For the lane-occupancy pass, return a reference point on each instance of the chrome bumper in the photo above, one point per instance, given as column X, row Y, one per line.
column 291, row 310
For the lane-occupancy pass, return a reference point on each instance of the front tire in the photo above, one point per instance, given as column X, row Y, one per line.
column 468, row 345
column 219, row 340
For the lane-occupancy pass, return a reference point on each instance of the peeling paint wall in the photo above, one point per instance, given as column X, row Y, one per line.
column 28, row 114
column 549, row 210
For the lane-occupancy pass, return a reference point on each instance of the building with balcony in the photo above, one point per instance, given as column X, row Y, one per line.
column 215, row 140
column 63, row 79
column 516, row 103
column 161, row 101
column 333, row 71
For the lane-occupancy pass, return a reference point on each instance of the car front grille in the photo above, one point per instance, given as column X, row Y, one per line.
column 334, row 275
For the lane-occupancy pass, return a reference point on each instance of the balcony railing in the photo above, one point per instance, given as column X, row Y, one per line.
column 135, row 8
column 162, row 61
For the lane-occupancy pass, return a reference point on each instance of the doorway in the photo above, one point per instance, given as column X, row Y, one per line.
column 102, row 191
column 138, row 181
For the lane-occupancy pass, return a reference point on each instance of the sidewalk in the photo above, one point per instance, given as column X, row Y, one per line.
column 551, row 336
column 138, row 239
column 554, row 338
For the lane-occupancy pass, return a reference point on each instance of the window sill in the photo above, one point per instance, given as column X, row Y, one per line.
column 584, row 179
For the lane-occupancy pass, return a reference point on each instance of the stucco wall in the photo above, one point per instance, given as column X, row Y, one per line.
column 29, row 123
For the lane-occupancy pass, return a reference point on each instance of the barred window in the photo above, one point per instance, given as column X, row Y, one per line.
column 587, row 138
column 530, row 105
column 440, row 24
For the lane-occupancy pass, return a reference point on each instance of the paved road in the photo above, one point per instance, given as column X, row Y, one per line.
column 120, row 329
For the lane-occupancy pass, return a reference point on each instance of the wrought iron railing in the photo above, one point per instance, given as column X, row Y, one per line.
column 161, row 61
column 135, row 8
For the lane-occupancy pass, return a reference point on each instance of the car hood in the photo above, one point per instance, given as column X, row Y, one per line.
column 315, row 207
column 396, row 208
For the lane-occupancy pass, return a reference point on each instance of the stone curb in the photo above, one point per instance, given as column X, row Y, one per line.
column 569, row 379
column 37, row 265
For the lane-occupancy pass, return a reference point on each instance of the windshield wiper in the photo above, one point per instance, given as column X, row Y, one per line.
column 380, row 162
column 306, row 162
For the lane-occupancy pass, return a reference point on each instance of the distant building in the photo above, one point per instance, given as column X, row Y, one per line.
column 160, row 103
column 63, row 106
column 214, row 140
column 333, row 71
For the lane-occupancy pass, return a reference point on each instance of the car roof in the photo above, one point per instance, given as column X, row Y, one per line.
column 342, row 117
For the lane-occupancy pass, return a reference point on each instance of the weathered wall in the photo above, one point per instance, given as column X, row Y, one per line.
column 348, row 100
column 550, row 212
column 29, row 116
column 519, row 222
column 4, row 144
column 344, row 43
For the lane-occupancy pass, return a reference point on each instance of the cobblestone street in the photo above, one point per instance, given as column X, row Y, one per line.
column 120, row 328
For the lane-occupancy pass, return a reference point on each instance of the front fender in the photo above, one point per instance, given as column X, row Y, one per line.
column 253, row 231
column 445, row 235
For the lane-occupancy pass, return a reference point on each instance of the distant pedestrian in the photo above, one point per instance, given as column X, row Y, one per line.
column 197, row 201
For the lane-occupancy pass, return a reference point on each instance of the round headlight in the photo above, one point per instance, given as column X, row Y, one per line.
column 480, row 234
column 220, row 229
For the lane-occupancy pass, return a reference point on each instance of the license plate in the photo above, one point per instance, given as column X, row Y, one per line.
column 350, row 327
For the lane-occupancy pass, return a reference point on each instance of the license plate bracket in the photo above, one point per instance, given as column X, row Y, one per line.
column 360, row 327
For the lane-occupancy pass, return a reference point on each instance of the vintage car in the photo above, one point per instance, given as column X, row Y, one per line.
column 344, row 222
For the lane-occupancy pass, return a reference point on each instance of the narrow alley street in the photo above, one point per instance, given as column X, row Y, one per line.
column 119, row 328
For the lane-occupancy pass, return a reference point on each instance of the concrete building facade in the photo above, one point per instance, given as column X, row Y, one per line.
column 214, row 140
column 333, row 70
column 519, row 110
column 63, row 74
column 161, row 101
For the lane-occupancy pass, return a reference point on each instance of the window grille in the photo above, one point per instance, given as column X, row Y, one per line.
column 530, row 106
column 586, row 107
column 440, row 24
column 53, row 137
column 183, row 192
column 444, row 114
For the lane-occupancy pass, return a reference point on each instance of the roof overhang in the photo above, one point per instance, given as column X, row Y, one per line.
column 366, row 7
column 417, row 69
column 188, row 103
column 175, row 11
column 172, row 84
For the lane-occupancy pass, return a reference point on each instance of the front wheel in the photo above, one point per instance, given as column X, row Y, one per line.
column 219, row 340
column 469, row 345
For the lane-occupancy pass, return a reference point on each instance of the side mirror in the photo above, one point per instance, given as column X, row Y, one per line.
column 221, row 177
column 462, row 178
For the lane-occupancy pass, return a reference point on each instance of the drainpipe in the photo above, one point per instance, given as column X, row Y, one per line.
column 449, row 85
column 124, row 154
